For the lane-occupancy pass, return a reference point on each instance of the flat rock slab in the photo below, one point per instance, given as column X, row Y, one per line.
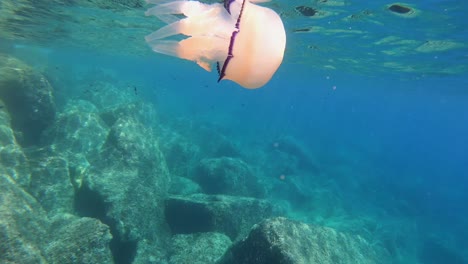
column 230, row 215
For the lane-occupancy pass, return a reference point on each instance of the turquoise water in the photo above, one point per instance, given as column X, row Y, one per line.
column 363, row 129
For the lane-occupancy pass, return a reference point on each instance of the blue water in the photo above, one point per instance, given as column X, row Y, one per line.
column 392, row 144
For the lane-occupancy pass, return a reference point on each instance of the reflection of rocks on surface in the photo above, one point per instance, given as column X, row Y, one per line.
column 28, row 97
column 117, row 4
column 280, row 240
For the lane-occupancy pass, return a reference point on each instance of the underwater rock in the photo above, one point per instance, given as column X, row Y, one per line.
column 23, row 225
column 229, row 176
column 200, row 139
column 51, row 181
column 292, row 146
column 279, row 163
column 27, row 235
column 230, row 215
column 227, row 149
column 183, row 186
column 13, row 162
column 57, row 170
column 217, row 144
column 199, row 248
column 180, row 153
column 289, row 188
column 78, row 240
column 131, row 143
column 105, row 94
column 125, row 187
column 143, row 112
column 183, row 154
column 28, row 97
column 79, row 129
column 279, row 240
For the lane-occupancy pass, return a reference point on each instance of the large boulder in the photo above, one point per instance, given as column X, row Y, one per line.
column 23, row 225
column 51, row 181
column 296, row 150
column 13, row 161
column 28, row 97
column 104, row 90
column 230, row 176
column 125, row 187
column 78, row 240
column 57, row 170
column 282, row 241
column 78, row 129
column 27, row 235
column 199, row 248
column 180, row 152
column 105, row 156
column 143, row 112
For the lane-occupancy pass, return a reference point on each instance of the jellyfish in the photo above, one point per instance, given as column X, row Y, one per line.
column 245, row 41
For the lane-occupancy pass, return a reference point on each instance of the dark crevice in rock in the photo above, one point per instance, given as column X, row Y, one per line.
column 89, row 203
column 188, row 218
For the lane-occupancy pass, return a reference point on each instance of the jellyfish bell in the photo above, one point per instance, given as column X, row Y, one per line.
column 245, row 41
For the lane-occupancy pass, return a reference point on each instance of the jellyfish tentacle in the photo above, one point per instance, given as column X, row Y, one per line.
column 168, row 47
column 166, row 31
column 167, row 8
column 168, row 19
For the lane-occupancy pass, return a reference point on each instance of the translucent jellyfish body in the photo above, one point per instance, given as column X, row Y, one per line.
column 245, row 41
